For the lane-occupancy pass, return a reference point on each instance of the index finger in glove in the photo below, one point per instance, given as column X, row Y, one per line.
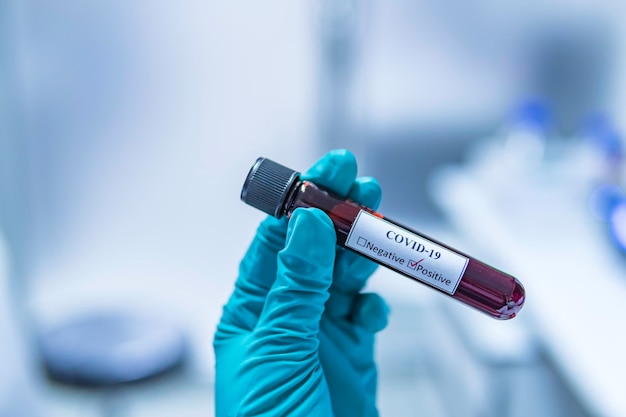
column 295, row 303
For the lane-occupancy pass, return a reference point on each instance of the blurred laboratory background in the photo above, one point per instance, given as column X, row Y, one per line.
column 127, row 128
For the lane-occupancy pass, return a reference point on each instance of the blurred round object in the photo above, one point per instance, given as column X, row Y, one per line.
column 617, row 224
column 107, row 349
column 534, row 113
column 605, row 137
column 604, row 199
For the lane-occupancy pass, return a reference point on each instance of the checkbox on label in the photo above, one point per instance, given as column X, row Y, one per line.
column 361, row 241
column 413, row 264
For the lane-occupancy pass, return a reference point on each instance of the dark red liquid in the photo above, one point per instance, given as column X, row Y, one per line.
column 483, row 287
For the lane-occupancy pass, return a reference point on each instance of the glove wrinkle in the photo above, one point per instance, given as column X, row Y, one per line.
column 286, row 387
column 257, row 272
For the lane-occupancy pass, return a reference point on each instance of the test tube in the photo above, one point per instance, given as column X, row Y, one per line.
column 278, row 191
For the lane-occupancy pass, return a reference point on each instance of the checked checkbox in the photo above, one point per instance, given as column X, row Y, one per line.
column 361, row 241
column 413, row 264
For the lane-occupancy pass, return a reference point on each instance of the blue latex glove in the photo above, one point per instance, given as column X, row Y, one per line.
column 297, row 337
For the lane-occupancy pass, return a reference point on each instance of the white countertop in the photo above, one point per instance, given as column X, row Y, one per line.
column 538, row 224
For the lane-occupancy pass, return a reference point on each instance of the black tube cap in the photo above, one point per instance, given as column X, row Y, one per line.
column 267, row 186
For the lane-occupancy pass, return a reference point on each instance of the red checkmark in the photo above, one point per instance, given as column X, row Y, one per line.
column 413, row 264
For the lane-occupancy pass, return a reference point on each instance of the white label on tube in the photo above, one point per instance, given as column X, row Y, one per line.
column 405, row 251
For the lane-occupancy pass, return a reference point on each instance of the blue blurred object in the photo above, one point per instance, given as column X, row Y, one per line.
column 604, row 199
column 607, row 201
column 526, row 134
column 534, row 113
column 617, row 225
column 108, row 349
column 289, row 342
column 605, row 137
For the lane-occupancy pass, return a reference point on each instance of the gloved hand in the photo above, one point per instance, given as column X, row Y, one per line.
column 297, row 337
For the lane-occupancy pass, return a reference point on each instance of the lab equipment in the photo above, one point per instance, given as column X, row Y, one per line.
column 111, row 350
column 107, row 349
column 278, row 190
column 289, row 342
column 607, row 200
